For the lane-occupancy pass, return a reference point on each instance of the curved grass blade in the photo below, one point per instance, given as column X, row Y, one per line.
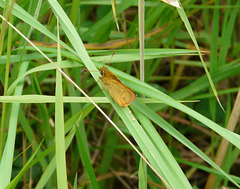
column 176, row 134
column 190, row 31
column 17, row 178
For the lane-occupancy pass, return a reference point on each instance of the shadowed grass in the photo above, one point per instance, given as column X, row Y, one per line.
column 98, row 149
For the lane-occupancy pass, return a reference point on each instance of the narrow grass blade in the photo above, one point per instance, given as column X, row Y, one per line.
column 59, row 127
column 7, row 158
column 176, row 134
column 114, row 13
column 190, row 31
column 17, row 178
column 52, row 165
column 86, row 159
column 142, row 174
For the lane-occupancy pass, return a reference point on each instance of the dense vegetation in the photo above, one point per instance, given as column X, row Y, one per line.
column 53, row 136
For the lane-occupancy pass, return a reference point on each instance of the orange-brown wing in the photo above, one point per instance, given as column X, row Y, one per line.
column 123, row 95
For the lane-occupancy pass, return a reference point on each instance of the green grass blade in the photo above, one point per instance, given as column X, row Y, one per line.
column 141, row 17
column 176, row 134
column 52, row 165
column 152, row 92
column 142, row 173
column 30, row 135
column 4, row 108
column 190, row 31
column 59, row 127
column 7, row 158
column 227, row 34
column 29, row 19
column 86, row 159
column 169, row 163
column 107, row 18
column 17, row 178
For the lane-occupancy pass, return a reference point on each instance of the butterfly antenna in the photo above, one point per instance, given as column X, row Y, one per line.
column 111, row 58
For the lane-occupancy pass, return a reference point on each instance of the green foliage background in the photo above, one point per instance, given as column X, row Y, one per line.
column 52, row 136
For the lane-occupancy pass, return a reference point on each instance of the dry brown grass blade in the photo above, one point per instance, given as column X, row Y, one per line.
column 108, row 45
column 114, row 13
column 122, row 174
column 221, row 153
column 172, row 3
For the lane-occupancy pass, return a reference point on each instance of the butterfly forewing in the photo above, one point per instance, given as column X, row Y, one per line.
column 123, row 95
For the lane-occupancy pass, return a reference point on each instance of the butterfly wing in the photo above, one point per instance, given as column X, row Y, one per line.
column 123, row 95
